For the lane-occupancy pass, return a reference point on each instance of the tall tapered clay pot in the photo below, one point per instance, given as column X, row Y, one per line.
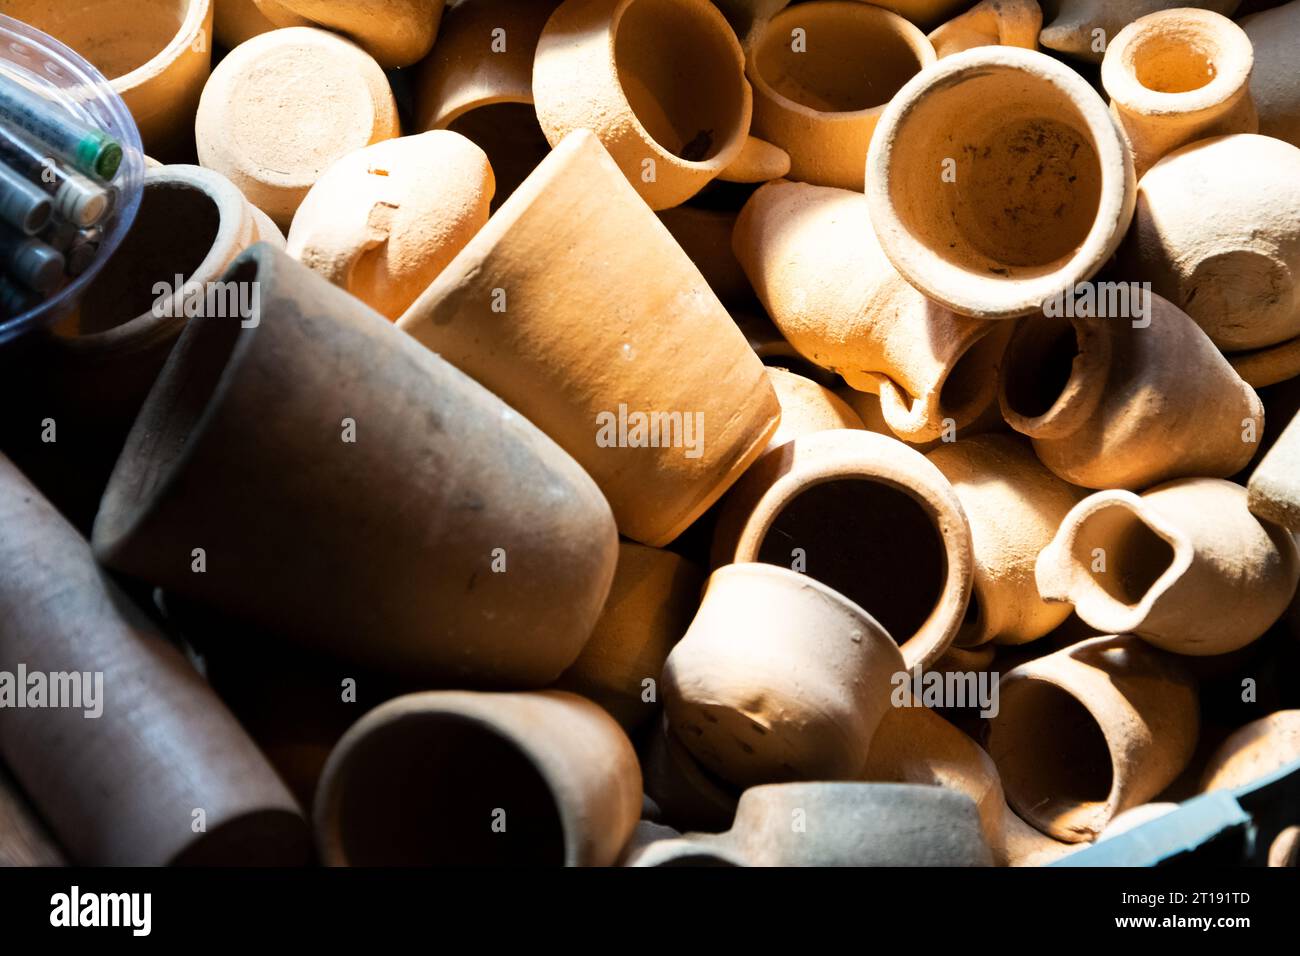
column 383, row 492
column 1118, row 403
column 1084, row 29
column 990, row 23
column 660, row 82
column 138, row 763
column 395, row 32
column 898, row 546
column 1274, row 83
column 576, row 306
column 996, row 179
column 447, row 778
column 1090, row 731
column 813, row 259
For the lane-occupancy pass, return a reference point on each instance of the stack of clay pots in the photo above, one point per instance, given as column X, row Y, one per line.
column 665, row 433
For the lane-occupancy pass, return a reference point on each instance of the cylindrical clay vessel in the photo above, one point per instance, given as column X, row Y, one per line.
column 388, row 495
column 575, row 305
column 161, row 773
column 1084, row 29
column 1090, row 731
column 997, row 178
column 395, row 32
column 899, row 546
column 453, row 778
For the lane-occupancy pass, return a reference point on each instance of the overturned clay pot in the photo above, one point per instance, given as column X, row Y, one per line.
column 395, row 32
column 899, row 546
column 997, row 178
column 1172, row 566
column 1112, row 402
column 1254, row 751
column 1084, row 29
column 1090, row 731
column 990, row 23
column 382, row 222
column 660, row 82
column 455, row 778
column 281, row 108
column 822, row 73
column 1274, row 83
column 494, row 572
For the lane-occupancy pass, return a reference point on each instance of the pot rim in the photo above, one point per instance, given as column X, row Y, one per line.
column 196, row 14
column 1083, row 390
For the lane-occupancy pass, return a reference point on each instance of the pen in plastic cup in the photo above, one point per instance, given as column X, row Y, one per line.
column 31, row 262
column 76, row 198
column 22, row 205
column 90, row 150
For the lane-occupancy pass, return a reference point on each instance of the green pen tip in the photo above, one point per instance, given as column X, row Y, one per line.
column 110, row 157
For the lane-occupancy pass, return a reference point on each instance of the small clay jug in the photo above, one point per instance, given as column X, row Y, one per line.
column 575, row 305
column 1014, row 506
column 996, row 179
column 24, row 839
column 1173, row 566
column 123, row 779
column 1274, row 83
column 899, row 545
column 383, row 221
column 1254, row 751
column 1230, row 258
column 1176, row 76
column 155, row 53
column 660, row 82
column 447, row 778
column 1274, row 487
column 1118, row 403
column 651, row 602
column 807, row 407
column 495, row 571
column 281, row 108
column 778, row 678
column 822, row 74
column 812, row 256
column 990, row 23
column 1084, row 29
column 395, row 32
column 1090, row 731
column 479, row 82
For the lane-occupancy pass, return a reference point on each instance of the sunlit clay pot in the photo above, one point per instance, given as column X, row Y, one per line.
column 898, row 545
column 162, row 774
column 807, row 407
column 481, row 553
column 575, row 306
column 1177, row 76
column 812, row 257
column 990, row 23
column 1172, row 566
column 395, row 32
column 281, row 108
column 1111, row 405
column 660, row 82
column 1014, row 506
column 1275, row 83
column 1225, row 247
column 1274, row 487
column 383, row 221
column 449, row 778
column 235, row 21
column 778, row 678
column 1255, row 751
column 822, row 74
column 1090, row 731
column 1084, row 29
column 478, row 81
column 997, row 178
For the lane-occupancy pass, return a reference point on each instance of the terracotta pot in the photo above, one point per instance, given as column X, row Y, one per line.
column 660, row 82
column 1090, row 731
column 156, row 53
column 1274, row 85
column 1274, row 488
column 1171, row 566
column 813, row 260
column 705, row 236
column 899, row 545
column 1083, row 29
column 1177, row 76
column 1111, row 405
column 234, row 21
column 1014, row 506
column 1231, row 259
column 688, row 796
column 382, row 222
column 495, row 572
column 917, row 746
column 822, row 74
column 479, row 82
column 123, row 787
column 807, row 407
column 281, row 108
column 24, row 839
column 449, row 778
column 990, row 23
column 90, row 374
column 996, row 179
column 1254, row 752
column 650, row 605
column 395, row 32
column 525, row 308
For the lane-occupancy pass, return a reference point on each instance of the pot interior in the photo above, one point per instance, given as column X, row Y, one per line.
column 512, row 138
column 1174, row 61
column 1039, row 363
column 1122, row 554
column 117, row 36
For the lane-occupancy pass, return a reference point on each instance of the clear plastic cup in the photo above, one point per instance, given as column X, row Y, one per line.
column 42, row 63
